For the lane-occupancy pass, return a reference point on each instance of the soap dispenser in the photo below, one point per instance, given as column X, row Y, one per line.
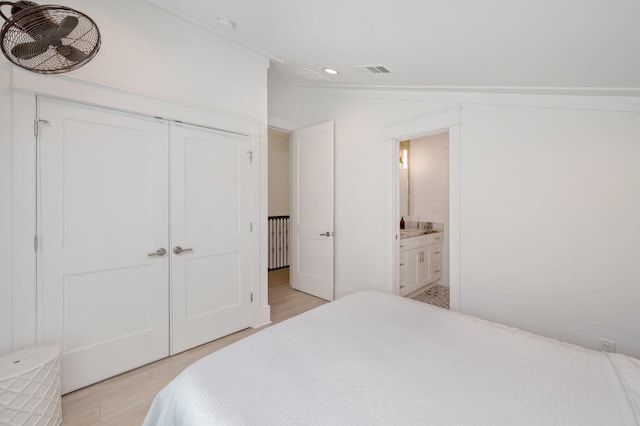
column 402, row 222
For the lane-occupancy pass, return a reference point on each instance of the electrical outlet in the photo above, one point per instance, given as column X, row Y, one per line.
column 607, row 345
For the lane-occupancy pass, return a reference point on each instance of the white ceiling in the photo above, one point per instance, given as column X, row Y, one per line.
column 438, row 44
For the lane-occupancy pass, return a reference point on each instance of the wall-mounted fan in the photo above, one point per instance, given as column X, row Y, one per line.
column 48, row 39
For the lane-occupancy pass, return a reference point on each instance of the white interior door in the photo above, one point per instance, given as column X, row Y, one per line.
column 103, row 213
column 210, row 223
column 311, row 269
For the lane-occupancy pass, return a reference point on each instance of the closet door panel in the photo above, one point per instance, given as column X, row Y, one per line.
column 103, row 209
column 210, row 221
column 210, row 182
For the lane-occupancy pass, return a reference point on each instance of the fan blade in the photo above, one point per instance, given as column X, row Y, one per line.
column 67, row 25
column 38, row 24
column 29, row 50
column 73, row 54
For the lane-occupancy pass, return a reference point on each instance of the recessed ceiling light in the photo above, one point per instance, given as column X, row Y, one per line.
column 330, row 71
column 226, row 23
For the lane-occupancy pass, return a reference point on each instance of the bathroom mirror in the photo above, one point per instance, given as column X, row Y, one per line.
column 403, row 178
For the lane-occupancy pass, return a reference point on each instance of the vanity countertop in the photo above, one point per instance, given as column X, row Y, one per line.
column 410, row 233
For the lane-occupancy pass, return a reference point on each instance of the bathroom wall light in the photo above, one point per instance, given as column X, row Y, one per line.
column 330, row 71
column 404, row 159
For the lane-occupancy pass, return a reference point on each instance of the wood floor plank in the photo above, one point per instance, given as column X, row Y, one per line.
column 125, row 399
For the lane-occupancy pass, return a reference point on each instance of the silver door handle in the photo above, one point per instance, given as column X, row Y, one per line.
column 160, row 252
column 326, row 234
column 178, row 249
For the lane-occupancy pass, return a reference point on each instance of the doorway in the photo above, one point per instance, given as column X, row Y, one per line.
column 278, row 204
column 309, row 237
column 278, row 214
column 417, row 127
column 424, row 210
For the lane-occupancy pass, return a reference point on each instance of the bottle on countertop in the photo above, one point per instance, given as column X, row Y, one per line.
column 402, row 223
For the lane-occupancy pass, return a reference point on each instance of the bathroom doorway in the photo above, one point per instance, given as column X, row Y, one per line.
column 445, row 121
column 423, row 205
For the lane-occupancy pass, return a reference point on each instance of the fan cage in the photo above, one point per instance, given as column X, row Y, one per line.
column 40, row 21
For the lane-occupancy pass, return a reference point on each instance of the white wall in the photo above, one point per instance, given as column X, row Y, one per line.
column 279, row 171
column 429, row 173
column 148, row 51
column 549, row 205
column 285, row 109
column 549, row 221
column 149, row 62
column 6, row 213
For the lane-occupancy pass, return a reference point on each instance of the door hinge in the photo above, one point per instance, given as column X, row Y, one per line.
column 251, row 297
column 250, row 155
column 250, row 226
column 35, row 243
column 36, row 126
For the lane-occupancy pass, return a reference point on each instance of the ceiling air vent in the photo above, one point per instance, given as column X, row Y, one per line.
column 374, row 69
column 309, row 74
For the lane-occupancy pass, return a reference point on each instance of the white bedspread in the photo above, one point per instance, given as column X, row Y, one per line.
column 375, row 359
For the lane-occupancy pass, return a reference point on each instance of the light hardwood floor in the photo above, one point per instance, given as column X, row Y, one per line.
column 124, row 400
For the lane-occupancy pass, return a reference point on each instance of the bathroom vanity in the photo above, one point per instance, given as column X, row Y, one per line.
column 420, row 260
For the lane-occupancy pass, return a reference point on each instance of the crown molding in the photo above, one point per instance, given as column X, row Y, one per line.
column 511, row 90
column 519, row 90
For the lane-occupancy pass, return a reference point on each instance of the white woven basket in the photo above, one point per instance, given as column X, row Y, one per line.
column 30, row 387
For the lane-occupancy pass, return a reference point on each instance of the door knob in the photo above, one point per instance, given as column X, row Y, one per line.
column 178, row 249
column 160, row 252
column 326, row 234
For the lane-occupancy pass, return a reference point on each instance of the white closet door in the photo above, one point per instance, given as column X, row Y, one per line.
column 103, row 209
column 210, row 221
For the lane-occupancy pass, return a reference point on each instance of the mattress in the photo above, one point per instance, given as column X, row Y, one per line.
column 376, row 359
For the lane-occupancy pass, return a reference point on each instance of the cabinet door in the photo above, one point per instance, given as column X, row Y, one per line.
column 403, row 285
column 417, row 268
column 403, row 274
column 413, row 270
column 435, row 262
column 424, row 270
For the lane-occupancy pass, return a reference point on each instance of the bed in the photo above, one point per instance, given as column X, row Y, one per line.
column 376, row 359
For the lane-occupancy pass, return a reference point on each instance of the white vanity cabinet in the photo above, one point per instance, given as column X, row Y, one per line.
column 420, row 262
